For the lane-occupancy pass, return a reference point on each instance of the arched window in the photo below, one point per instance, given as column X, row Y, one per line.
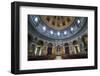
column 30, row 38
column 66, row 48
column 76, row 46
column 85, row 41
column 49, row 49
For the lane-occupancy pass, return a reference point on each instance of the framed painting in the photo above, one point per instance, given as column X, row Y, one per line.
column 52, row 37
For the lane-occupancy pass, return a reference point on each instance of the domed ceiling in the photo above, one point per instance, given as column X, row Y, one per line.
column 58, row 22
column 58, row 27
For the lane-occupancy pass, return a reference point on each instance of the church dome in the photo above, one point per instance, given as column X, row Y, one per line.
column 58, row 22
column 58, row 27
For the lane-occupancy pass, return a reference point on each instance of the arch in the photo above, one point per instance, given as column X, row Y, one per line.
column 30, row 38
column 66, row 44
column 66, row 48
column 40, row 42
column 49, row 49
column 75, row 42
column 50, row 44
column 85, row 41
column 76, row 46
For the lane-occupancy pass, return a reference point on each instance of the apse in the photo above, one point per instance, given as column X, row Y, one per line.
column 53, row 37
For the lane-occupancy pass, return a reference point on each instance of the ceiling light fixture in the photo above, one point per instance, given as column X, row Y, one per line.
column 58, row 33
column 51, row 32
column 65, row 32
column 72, row 29
column 36, row 19
column 78, row 21
column 44, row 28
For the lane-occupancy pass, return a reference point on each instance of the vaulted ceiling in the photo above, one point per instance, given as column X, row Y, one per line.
column 58, row 27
